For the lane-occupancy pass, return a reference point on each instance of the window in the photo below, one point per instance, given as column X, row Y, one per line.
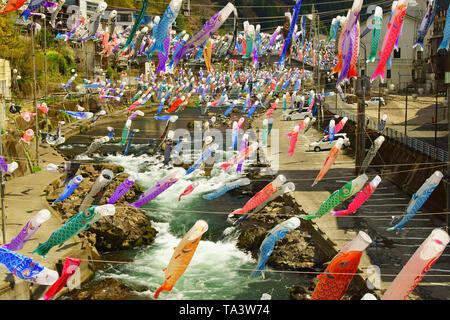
column 91, row 6
column 388, row 74
column 124, row 17
column 419, row 55
column 397, row 53
column 363, row 72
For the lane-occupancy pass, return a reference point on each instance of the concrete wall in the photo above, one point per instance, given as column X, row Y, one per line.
column 5, row 78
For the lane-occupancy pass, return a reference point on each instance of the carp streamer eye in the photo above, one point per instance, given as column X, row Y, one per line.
column 343, row 264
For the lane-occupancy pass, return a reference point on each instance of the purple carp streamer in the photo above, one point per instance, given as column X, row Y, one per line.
column 208, row 29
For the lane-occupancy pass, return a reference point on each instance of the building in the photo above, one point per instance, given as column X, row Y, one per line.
column 88, row 58
column 438, row 61
column 407, row 62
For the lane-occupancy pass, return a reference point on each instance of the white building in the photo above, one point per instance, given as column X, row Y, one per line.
column 402, row 71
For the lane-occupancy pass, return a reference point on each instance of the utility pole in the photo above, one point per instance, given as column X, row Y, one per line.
column 406, row 111
column 45, row 69
column 34, row 92
column 314, row 35
column 379, row 102
column 2, row 181
column 448, row 160
column 435, row 124
column 360, row 124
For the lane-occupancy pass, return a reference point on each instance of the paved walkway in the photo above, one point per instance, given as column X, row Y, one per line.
column 24, row 197
column 389, row 251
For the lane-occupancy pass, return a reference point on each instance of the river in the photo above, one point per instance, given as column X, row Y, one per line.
column 218, row 270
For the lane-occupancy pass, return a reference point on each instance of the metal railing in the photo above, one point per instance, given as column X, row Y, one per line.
column 414, row 143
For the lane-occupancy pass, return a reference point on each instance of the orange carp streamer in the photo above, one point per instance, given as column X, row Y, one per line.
column 182, row 256
column 333, row 283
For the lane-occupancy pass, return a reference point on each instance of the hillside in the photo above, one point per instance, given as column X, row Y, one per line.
column 255, row 11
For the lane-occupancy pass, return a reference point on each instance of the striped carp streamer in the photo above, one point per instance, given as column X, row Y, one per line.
column 339, row 196
column 182, row 256
column 77, row 223
column 360, row 198
column 260, row 196
column 265, row 250
column 331, row 158
column 160, row 186
column 333, row 283
column 26, row 268
column 419, row 198
column 350, row 44
column 28, row 230
column 70, row 267
column 391, row 36
column 417, row 266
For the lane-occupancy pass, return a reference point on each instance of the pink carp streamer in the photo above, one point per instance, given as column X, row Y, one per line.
column 70, row 267
column 274, row 105
column 417, row 266
column 293, row 136
column 392, row 33
column 188, row 190
column 360, row 198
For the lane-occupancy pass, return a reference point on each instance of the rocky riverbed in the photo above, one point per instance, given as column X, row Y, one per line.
column 126, row 229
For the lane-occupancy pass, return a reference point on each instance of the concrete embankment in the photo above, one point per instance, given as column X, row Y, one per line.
column 25, row 195
column 407, row 168
column 388, row 251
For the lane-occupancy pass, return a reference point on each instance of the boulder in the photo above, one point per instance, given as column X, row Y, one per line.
column 127, row 228
column 107, row 289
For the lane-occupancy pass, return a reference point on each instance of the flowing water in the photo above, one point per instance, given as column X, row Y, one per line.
column 218, row 270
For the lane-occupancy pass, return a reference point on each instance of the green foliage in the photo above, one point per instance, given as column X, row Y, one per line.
column 110, row 72
column 50, row 39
